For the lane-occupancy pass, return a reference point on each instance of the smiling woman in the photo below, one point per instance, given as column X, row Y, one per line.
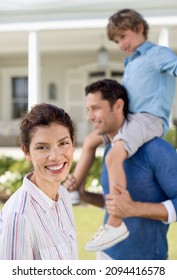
column 37, row 221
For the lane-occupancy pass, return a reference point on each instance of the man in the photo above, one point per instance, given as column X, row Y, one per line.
column 150, row 202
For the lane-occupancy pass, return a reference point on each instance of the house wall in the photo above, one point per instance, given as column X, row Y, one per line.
column 69, row 72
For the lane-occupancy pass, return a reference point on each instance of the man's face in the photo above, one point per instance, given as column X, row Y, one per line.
column 102, row 117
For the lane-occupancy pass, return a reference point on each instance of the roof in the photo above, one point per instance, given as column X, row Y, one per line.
column 60, row 17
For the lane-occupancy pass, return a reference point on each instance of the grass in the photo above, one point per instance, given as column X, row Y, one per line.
column 89, row 218
column 172, row 234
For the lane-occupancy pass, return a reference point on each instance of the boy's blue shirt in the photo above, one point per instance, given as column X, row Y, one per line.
column 151, row 177
column 149, row 78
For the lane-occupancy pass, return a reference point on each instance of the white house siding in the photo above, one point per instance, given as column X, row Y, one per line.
column 70, row 74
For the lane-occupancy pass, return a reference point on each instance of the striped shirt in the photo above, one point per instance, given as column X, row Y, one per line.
column 34, row 227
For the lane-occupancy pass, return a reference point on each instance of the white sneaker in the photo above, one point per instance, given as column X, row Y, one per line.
column 106, row 237
column 75, row 197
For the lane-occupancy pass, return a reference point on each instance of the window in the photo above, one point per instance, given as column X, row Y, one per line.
column 98, row 74
column 109, row 74
column 19, row 96
column 52, row 91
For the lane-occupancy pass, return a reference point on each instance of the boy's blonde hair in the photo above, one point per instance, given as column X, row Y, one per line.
column 123, row 20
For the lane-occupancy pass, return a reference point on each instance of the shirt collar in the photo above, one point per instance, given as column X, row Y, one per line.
column 38, row 195
column 142, row 49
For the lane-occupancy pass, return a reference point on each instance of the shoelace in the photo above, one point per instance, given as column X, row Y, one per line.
column 100, row 231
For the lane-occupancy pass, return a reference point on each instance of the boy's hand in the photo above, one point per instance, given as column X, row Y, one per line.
column 70, row 183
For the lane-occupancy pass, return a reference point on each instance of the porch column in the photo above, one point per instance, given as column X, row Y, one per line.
column 33, row 70
column 164, row 37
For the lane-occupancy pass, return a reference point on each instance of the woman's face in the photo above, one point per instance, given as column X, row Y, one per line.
column 51, row 153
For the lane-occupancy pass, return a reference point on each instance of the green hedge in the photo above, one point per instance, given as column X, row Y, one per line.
column 12, row 172
column 171, row 136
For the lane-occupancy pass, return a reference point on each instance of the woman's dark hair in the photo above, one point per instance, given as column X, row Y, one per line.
column 110, row 90
column 43, row 115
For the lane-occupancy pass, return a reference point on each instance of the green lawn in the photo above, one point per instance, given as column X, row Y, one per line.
column 88, row 219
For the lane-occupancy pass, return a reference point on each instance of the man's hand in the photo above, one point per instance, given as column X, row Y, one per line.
column 120, row 204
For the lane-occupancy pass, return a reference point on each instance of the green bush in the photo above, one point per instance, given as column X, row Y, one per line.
column 6, row 163
column 171, row 136
column 12, row 172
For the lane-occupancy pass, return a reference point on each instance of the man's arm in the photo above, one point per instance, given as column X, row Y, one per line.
column 120, row 204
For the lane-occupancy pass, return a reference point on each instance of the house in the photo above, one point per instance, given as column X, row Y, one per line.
column 51, row 49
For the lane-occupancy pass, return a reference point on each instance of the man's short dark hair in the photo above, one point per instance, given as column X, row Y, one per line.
column 110, row 90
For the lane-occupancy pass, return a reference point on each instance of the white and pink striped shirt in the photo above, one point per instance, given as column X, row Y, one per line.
column 34, row 227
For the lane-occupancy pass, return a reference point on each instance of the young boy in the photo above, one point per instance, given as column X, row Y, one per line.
column 149, row 79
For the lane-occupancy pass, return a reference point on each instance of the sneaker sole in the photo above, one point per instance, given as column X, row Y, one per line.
column 107, row 245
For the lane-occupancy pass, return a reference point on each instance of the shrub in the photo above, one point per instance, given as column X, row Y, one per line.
column 12, row 172
column 6, row 163
column 171, row 136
